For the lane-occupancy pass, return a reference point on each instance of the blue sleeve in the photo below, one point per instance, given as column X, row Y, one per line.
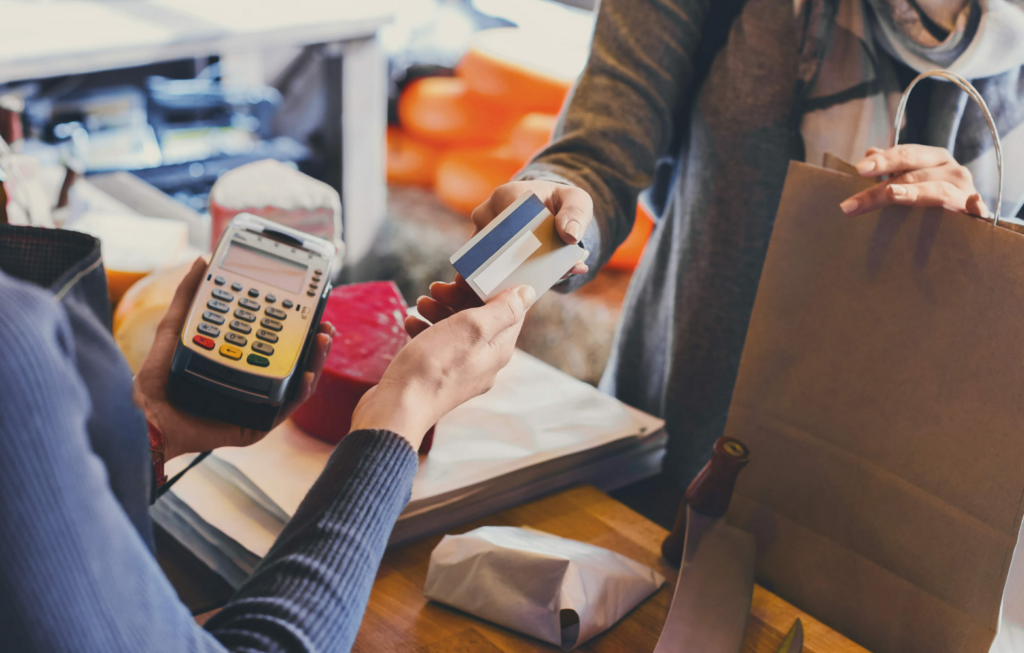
column 310, row 592
column 75, row 575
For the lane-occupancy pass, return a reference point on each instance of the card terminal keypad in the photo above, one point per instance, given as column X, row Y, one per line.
column 245, row 313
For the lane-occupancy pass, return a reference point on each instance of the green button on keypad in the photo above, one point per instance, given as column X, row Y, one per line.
column 258, row 361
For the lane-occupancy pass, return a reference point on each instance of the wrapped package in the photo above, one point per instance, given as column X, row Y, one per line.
column 560, row 591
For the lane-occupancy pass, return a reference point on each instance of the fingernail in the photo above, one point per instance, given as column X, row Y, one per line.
column 573, row 229
column 527, row 294
column 866, row 166
column 898, row 191
column 849, row 206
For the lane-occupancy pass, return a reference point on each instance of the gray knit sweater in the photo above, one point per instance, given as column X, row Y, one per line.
column 716, row 101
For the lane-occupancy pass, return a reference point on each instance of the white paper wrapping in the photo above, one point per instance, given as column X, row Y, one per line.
column 524, row 579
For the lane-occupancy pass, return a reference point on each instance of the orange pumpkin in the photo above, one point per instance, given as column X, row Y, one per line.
column 629, row 252
column 442, row 110
column 465, row 178
column 411, row 161
column 531, row 134
column 518, row 68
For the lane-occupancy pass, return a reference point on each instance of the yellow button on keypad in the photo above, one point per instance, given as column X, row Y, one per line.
column 228, row 351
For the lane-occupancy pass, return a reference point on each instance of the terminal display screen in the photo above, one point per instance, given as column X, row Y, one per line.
column 263, row 266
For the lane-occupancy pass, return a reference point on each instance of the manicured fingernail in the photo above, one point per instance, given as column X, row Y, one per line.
column 573, row 229
column 898, row 191
column 849, row 206
column 527, row 294
column 866, row 166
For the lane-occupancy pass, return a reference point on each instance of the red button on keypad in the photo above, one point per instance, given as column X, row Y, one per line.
column 204, row 342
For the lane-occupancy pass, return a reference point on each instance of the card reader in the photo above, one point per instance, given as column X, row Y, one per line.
column 248, row 335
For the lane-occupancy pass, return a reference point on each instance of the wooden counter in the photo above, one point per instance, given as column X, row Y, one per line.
column 399, row 618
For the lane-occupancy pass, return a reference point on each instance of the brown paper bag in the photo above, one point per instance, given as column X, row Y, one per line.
column 881, row 391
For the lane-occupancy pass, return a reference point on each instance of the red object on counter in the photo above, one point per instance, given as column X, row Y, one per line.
column 370, row 320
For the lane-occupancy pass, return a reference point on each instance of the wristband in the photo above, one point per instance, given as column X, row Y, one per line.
column 156, row 453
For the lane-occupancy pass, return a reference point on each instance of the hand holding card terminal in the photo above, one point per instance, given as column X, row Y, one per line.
column 246, row 340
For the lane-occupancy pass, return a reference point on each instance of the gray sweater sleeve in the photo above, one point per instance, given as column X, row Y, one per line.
column 75, row 574
column 619, row 118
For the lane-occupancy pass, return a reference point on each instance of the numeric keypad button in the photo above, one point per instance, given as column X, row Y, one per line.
column 243, row 314
column 208, row 330
column 241, row 327
column 245, row 302
column 262, row 348
column 269, row 336
column 218, row 306
column 223, row 295
column 273, row 325
column 235, row 339
column 213, row 318
column 276, row 313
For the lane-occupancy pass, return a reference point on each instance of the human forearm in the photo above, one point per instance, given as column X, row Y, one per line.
column 310, row 592
column 619, row 119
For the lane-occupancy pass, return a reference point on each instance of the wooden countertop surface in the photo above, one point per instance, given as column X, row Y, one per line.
column 399, row 618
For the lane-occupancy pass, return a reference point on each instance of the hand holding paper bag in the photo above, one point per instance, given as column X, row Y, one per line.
column 536, row 583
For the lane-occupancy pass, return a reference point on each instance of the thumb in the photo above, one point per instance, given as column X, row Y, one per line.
column 574, row 213
column 178, row 310
column 976, row 206
column 506, row 309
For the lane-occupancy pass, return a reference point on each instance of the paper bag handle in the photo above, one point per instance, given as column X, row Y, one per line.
column 972, row 93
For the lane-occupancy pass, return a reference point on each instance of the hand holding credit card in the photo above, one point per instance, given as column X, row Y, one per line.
column 520, row 246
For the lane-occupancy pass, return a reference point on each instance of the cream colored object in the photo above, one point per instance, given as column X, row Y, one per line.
column 140, row 311
column 533, row 582
column 132, row 243
column 276, row 191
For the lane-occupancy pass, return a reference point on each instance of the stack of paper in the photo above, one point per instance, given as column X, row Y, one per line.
column 538, row 430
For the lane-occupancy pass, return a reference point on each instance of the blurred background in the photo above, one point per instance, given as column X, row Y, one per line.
column 150, row 124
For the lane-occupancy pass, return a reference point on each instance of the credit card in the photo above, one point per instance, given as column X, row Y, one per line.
column 519, row 247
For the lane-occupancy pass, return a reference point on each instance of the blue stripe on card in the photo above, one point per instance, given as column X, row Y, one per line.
column 501, row 234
